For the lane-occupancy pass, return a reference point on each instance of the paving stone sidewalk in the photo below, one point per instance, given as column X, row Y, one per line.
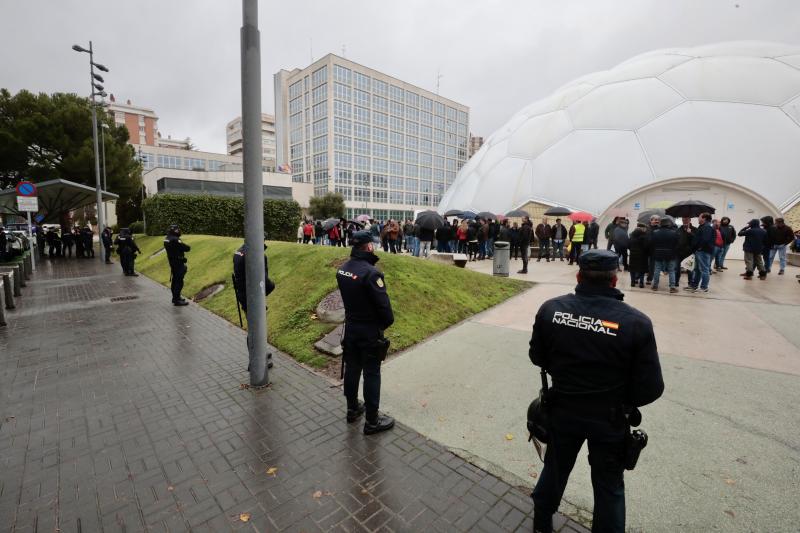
column 121, row 414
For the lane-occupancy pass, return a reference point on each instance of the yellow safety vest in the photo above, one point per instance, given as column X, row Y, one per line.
column 579, row 231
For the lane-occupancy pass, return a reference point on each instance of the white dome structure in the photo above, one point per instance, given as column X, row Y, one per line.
column 719, row 123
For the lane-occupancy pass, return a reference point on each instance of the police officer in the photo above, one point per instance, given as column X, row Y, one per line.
column 127, row 250
column 105, row 239
column 601, row 355
column 240, row 284
column 177, row 262
column 367, row 313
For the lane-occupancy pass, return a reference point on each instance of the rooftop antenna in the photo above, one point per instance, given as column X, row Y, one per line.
column 439, row 77
column 311, row 48
column 344, row 50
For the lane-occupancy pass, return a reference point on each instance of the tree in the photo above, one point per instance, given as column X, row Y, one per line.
column 329, row 206
column 45, row 137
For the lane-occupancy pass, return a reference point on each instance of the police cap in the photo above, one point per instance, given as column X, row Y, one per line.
column 598, row 260
column 361, row 237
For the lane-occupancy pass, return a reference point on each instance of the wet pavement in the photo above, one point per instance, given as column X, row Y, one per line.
column 120, row 412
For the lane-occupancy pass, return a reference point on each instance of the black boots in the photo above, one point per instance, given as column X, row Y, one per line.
column 381, row 423
column 355, row 414
column 542, row 523
column 180, row 302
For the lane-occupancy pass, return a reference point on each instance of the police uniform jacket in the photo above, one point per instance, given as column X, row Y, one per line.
column 597, row 348
column 175, row 249
column 367, row 308
column 240, row 276
column 125, row 244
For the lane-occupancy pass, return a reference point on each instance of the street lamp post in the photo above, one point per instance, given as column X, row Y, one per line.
column 97, row 90
column 253, row 193
column 144, row 217
column 104, row 127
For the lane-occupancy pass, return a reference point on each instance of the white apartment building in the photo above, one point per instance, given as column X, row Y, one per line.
column 233, row 135
column 389, row 147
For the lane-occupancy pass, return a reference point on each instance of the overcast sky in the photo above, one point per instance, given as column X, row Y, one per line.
column 181, row 57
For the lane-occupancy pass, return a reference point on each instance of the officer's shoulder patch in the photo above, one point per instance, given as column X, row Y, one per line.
column 379, row 282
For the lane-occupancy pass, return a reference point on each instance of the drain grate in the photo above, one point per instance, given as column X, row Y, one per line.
column 124, row 298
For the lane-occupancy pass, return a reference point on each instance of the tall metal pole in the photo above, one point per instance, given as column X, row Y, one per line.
column 144, row 217
column 253, row 193
column 101, row 221
column 105, row 186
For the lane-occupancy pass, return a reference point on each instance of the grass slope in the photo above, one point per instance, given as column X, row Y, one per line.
column 426, row 297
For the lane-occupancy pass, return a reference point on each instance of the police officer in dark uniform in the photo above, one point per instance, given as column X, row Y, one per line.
column 601, row 355
column 127, row 250
column 240, row 284
column 177, row 262
column 367, row 313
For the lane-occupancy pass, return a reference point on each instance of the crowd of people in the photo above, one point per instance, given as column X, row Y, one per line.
column 54, row 242
column 662, row 246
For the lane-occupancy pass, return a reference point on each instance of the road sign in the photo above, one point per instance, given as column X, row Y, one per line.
column 30, row 204
column 26, row 188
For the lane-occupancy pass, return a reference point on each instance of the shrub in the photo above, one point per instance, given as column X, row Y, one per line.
column 137, row 227
column 218, row 215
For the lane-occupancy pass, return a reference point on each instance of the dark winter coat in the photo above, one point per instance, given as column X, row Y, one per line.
column 704, row 238
column 728, row 233
column 663, row 244
column 525, row 234
column 754, row 237
column 637, row 251
column 543, row 231
column 685, row 242
column 772, row 232
column 619, row 237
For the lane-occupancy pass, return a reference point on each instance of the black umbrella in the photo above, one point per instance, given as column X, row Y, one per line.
column 454, row 213
column 689, row 208
column 486, row 215
column 558, row 212
column 645, row 215
column 517, row 213
column 329, row 223
column 467, row 214
column 430, row 220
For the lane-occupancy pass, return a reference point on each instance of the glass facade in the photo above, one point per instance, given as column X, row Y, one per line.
column 388, row 142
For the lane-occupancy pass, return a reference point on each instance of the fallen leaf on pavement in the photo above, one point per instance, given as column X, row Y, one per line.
column 509, row 436
column 170, row 488
column 244, row 517
column 730, row 481
column 731, row 513
column 244, row 386
column 317, row 495
column 424, row 404
column 272, row 471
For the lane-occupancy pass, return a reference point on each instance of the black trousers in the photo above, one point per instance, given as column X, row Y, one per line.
column 108, row 253
column 525, row 250
column 355, row 364
column 126, row 260
column 178, row 273
column 606, row 448
column 544, row 245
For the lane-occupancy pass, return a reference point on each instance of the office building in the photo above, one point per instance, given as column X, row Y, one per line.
column 142, row 122
column 233, row 134
column 389, row 147
column 475, row 144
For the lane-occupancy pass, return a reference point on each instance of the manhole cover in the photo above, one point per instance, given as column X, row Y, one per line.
column 208, row 292
column 124, row 298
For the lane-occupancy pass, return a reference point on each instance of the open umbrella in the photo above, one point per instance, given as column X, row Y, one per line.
column 558, row 212
column 454, row 213
column 689, row 208
column 329, row 223
column 486, row 215
column 500, row 218
column 583, row 216
column 467, row 215
column 645, row 215
column 430, row 220
column 363, row 218
column 518, row 213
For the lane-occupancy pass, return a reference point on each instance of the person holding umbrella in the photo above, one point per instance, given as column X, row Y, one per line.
column 704, row 247
column 428, row 222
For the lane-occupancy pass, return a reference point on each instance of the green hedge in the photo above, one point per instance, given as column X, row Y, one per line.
column 218, row 215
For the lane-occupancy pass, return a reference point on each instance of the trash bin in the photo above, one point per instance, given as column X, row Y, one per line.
column 501, row 260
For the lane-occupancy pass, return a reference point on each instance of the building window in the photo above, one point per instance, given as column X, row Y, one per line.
column 380, row 180
column 396, row 93
column 341, row 74
column 346, row 192
column 412, row 113
column 361, row 114
column 361, row 130
column 438, row 162
column 321, row 160
column 412, row 170
column 380, row 135
column 380, row 103
column 320, row 127
column 319, row 93
column 342, row 160
column 395, row 197
column 362, row 81
column 295, row 106
column 362, row 147
column 412, row 128
column 438, row 108
column 380, row 150
column 361, row 195
column 319, row 76
column 425, row 172
column 342, row 126
column 412, row 156
column 295, row 89
column 412, row 198
column 396, row 138
column 462, row 117
column 342, row 142
column 320, row 110
column 396, row 153
column 342, row 109
column 361, row 179
column 412, row 142
column 343, row 177
column 380, row 119
column 451, row 113
column 380, row 87
column 425, row 159
column 297, row 165
column 361, row 98
column 396, row 108
column 426, row 132
column 426, row 104
column 341, row 91
column 396, row 169
column 379, row 196
column 360, row 162
column 296, row 150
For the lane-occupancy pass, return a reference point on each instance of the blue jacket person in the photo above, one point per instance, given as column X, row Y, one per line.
column 176, row 249
column 601, row 355
column 368, row 312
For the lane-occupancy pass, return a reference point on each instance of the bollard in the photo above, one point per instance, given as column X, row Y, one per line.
column 501, row 259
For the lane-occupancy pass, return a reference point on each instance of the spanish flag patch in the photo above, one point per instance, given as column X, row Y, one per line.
column 611, row 325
